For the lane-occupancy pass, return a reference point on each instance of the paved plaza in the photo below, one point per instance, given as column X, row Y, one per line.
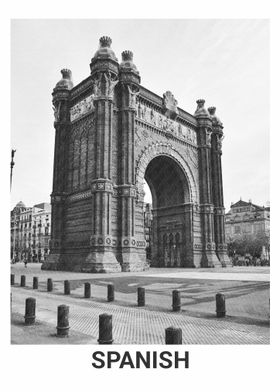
column 246, row 290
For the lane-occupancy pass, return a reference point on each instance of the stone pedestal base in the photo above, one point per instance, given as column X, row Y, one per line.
column 134, row 262
column 52, row 262
column 224, row 259
column 102, row 262
column 210, row 260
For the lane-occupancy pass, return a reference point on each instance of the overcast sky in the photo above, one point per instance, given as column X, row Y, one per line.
column 226, row 62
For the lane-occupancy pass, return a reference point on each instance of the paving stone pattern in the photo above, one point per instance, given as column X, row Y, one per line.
column 133, row 325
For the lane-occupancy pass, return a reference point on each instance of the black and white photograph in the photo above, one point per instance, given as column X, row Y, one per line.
column 158, row 214
column 140, row 193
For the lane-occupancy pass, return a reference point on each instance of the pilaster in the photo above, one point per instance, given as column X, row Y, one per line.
column 131, row 256
column 217, row 188
column 61, row 97
column 209, row 257
column 104, row 72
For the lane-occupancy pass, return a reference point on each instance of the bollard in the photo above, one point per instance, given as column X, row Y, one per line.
column 50, row 284
column 66, row 287
column 62, row 321
column 176, row 300
column 30, row 306
column 220, row 305
column 110, row 293
column 173, row 335
column 87, row 290
column 105, row 329
column 35, row 282
column 22, row 281
column 12, row 279
column 141, row 296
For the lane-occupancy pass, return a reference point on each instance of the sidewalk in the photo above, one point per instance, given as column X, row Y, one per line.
column 131, row 325
column 247, row 301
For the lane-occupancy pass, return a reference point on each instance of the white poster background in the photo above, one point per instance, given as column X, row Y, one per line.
column 68, row 368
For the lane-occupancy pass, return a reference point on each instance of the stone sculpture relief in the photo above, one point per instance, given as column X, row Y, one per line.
column 166, row 124
column 132, row 97
column 220, row 144
column 56, row 110
column 81, row 108
column 170, row 105
column 110, row 84
column 208, row 138
column 97, row 86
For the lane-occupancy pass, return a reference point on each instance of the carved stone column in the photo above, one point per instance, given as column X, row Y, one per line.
column 217, row 181
column 209, row 257
column 132, row 253
column 61, row 95
column 104, row 71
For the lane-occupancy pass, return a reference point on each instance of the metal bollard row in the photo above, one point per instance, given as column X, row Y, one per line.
column 49, row 285
column 87, row 293
column 176, row 301
column 220, row 305
column 105, row 329
column 22, row 281
column 66, row 287
column 110, row 292
column 176, row 295
column 62, row 321
column 30, row 310
column 35, row 282
column 141, row 296
column 173, row 335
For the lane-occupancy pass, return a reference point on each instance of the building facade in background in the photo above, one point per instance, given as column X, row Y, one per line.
column 30, row 232
column 112, row 134
column 248, row 230
column 247, row 219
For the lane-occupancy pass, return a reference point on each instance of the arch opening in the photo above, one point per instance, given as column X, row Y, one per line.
column 166, row 195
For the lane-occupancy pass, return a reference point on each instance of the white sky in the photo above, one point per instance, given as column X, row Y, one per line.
column 226, row 62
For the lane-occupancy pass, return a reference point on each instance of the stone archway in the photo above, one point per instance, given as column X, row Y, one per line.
column 109, row 129
column 165, row 149
column 174, row 192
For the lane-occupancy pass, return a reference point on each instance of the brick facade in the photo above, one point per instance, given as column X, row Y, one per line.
column 111, row 134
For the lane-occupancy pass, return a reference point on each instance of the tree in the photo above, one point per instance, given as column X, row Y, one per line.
column 248, row 245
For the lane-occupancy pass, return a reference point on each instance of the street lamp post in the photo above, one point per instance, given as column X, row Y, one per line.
column 12, row 165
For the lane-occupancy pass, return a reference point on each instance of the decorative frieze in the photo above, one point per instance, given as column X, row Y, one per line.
column 221, row 247
column 219, row 210
column 126, row 242
column 124, row 190
column 79, row 196
column 131, row 242
column 210, row 246
column 82, row 108
column 197, row 246
column 97, row 240
column 101, row 185
column 167, row 125
column 206, row 208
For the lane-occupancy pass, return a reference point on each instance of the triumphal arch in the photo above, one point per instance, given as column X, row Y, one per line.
column 111, row 134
